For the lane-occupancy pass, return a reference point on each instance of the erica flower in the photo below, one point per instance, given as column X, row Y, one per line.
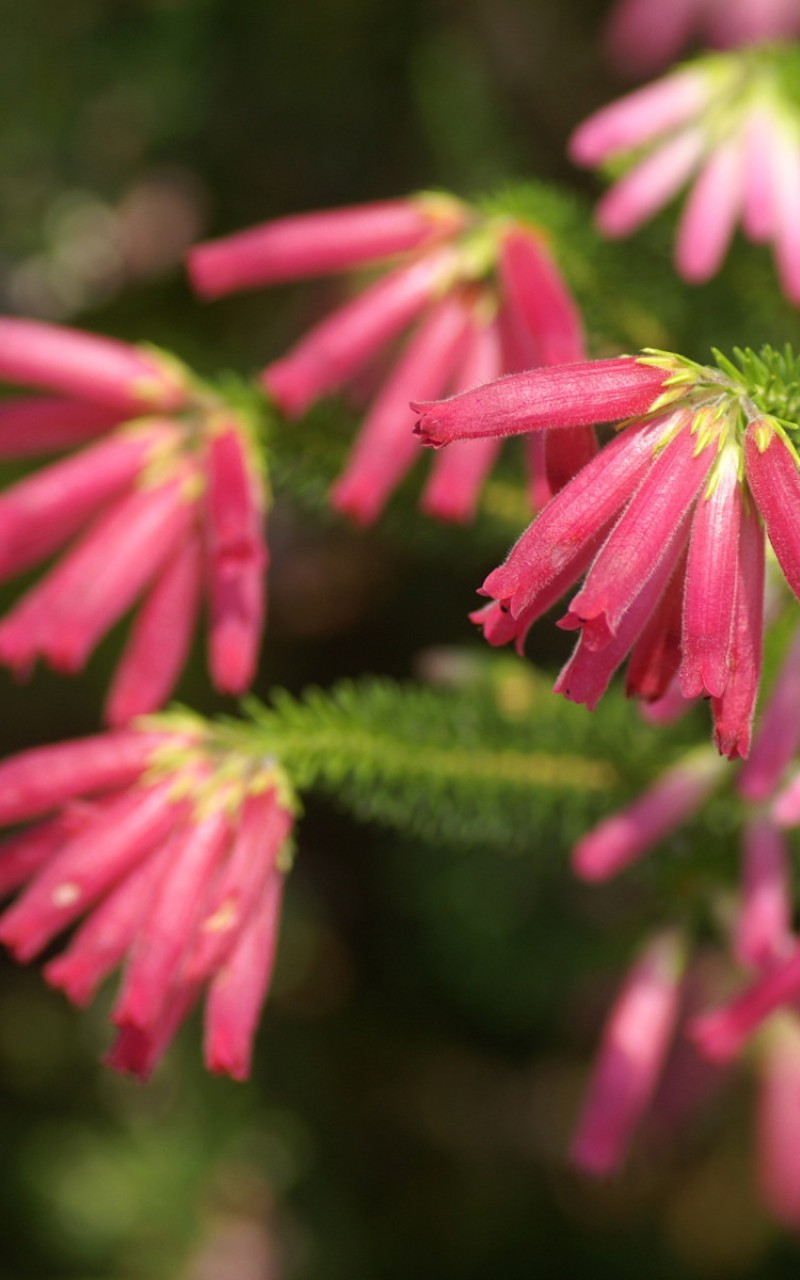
column 161, row 505
column 636, row 1039
column 644, row 35
column 171, row 847
column 729, row 123
column 476, row 295
column 762, row 938
column 666, row 522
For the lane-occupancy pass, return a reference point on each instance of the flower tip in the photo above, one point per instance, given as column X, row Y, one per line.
column 714, row 1037
column 592, row 1156
column 200, row 262
column 582, row 147
column 590, row 863
column 352, row 498
column 229, row 1060
column 62, row 974
column 280, row 386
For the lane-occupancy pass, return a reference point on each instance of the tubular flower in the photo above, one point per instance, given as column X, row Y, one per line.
column 636, row 1039
column 170, row 844
column 162, row 501
column 730, row 123
column 666, row 522
column 644, row 35
column 762, row 937
column 479, row 296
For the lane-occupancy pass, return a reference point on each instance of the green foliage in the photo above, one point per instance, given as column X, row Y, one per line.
column 772, row 379
column 493, row 763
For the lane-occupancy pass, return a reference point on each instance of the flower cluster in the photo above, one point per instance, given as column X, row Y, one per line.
column 172, row 844
column 732, row 120
column 482, row 296
column 645, row 1019
column 645, row 35
column 162, row 501
column 666, row 522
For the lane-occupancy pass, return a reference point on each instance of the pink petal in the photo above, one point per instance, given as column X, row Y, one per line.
column 723, row 1033
column 37, row 781
column 311, row 244
column 586, row 676
column 763, row 926
column 238, row 991
column 711, row 578
column 635, row 1041
column 108, row 934
column 386, row 446
column 69, row 611
column 709, row 216
column 160, row 638
column 643, row 535
column 336, row 350
column 457, row 473
column 87, row 366
column 640, row 117
column 656, row 655
column 539, row 299
column 778, row 734
column 644, row 35
column 623, row 838
column 650, row 185
column 733, row 711
column 774, row 479
column 237, row 563
column 568, row 395
column 786, row 196
column 40, row 513
column 758, row 215
column 45, row 425
column 574, row 517
column 166, row 935
column 88, row 866
column 263, row 829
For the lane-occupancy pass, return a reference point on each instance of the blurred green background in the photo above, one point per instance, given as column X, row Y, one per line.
column 426, row 1042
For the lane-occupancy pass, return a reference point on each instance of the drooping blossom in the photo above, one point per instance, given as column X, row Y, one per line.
column 666, row 523
column 635, row 1043
column 762, row 940
column 727, row 123
column 170, row 848
column 644, row 35
column 477, row 296
column 160, row 504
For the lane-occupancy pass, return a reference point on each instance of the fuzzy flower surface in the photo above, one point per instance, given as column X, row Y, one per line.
column 642, row 36
column 728, row 125
column 169, row 846
column 666, row 525
column 459, row 298
column 157, row 505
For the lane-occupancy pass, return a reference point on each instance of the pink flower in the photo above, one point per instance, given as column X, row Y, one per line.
column 99, row 370
column 153, row 509
column 665, row 522
column 725, row 122
column 635, row 1042
column 763, row 928
column 644, row 35
column 624, row 837
column 171, row 848
column 477, row 295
